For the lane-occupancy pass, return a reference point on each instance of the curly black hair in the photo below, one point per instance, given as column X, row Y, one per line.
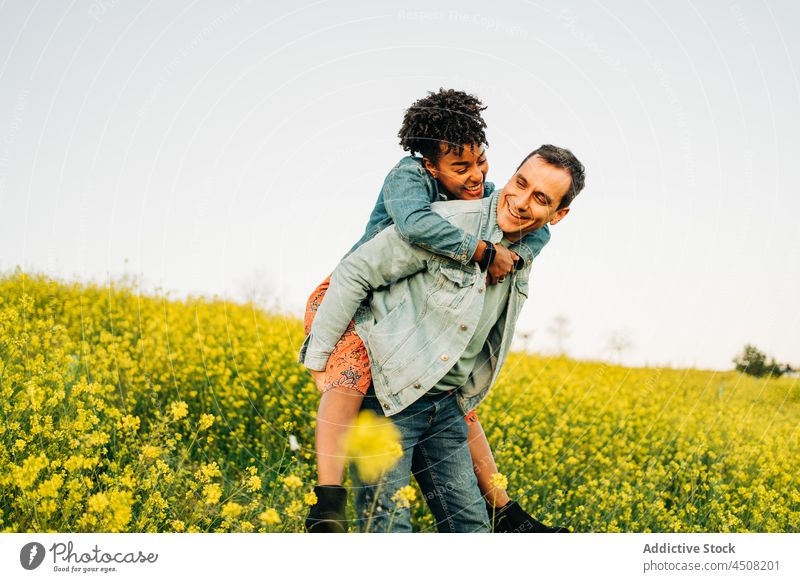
column 447, row 117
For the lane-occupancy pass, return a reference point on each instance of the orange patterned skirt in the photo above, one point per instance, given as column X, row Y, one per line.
column 348, row 365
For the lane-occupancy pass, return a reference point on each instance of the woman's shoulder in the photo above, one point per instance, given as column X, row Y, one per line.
column 411, row 162
column 410, row 172
column 408, row 167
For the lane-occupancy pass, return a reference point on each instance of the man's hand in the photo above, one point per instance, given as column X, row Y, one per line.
column 319, row 378
column 503, row 264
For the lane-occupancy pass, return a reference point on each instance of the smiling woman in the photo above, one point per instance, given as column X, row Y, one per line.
column 460, row 170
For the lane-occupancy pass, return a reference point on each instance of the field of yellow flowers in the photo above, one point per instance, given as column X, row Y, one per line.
column 126, row 412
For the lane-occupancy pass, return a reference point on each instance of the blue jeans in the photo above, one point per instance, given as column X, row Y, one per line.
column 434, row 441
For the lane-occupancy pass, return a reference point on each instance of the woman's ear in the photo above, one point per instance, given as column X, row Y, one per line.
column 430, row 167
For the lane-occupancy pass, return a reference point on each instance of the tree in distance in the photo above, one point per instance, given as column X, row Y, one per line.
column 753, row 361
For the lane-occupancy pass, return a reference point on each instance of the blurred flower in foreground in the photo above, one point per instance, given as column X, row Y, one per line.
column 373, row 444
column 498, row 481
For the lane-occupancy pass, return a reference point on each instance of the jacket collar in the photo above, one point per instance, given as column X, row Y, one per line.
column 489, row 228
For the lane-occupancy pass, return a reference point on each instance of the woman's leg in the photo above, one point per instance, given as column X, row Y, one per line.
column 483, row 463
column 343, row 384
column 338, row 409
column 345, row 381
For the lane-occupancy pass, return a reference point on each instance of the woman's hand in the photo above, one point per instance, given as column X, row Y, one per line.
column 502, row 265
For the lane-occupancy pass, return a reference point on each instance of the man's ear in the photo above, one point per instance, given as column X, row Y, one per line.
column 559, row 215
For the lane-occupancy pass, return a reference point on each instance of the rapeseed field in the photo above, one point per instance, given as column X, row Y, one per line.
column 128, row 412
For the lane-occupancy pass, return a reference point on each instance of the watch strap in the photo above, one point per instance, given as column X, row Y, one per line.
column 488, row 256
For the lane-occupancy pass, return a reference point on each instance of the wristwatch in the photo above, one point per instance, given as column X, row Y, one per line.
column 488, row 256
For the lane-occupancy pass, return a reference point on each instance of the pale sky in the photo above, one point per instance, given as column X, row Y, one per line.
column 205, row 145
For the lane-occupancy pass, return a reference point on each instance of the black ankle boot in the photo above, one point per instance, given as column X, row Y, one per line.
column 327, row 514
column 511, row 518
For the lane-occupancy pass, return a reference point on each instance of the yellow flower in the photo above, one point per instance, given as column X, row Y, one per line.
column 292, row 481
column 51, row 487
column 206, row 420
column 178, row 525
column 97, row 502
column 178, row 409
column 208, row 471
column 115, row 508
column 252, row 483
column 269, row 517
column 498, row 481
column 120, row 505
column 310, row 498
column 373, row 444
column 129, row 422
column 212, row 492
column 231, row 510
column 294, row 509
column 24, row 476
column 405, row 496
column 151, row 452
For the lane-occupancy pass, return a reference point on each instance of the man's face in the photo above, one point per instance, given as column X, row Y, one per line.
column 461, row 176
column 530, row 198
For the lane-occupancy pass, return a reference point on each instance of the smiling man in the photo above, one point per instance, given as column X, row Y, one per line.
column 437, row 336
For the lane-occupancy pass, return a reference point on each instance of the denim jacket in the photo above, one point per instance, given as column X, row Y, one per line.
column 422, row 309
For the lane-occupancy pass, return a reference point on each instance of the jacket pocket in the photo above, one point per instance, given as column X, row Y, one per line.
column 390, row 332
column 453, row 284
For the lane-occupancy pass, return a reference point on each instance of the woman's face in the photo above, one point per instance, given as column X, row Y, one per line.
column 461, row 176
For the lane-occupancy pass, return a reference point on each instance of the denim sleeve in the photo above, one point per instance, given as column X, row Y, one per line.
column 381, row 261
column 407, row 198
column 532, row 243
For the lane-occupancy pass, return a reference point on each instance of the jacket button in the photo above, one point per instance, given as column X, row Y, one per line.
column 386, row 406
column 418, row 385
column 463, row 327
column 480, row 290
column 445, row 357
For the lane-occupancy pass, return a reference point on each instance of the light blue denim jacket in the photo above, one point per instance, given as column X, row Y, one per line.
column 422, row 309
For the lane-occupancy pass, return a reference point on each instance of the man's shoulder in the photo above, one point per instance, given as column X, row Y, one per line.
column 452, row 208
column 466, row 214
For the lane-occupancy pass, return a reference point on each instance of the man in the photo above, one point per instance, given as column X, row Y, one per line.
column 437, row 336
